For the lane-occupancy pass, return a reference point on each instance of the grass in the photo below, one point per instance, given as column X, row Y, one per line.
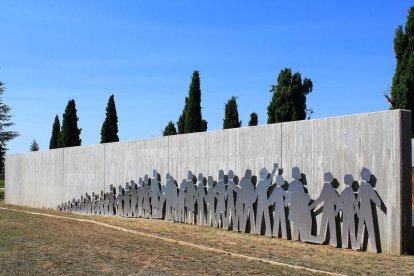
column 1, row 195
column 67, row 247
column 1, row 183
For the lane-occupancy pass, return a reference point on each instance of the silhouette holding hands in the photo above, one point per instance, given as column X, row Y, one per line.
column 262, row 204
column 277, row 198
column 366, row 194
column 349, row 207
column 330, row 199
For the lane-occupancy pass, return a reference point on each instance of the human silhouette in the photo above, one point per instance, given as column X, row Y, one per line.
column 155, row 195
column 277, row 198
column 210, row 199
column 330, row 199
column 201, row 192
column 111, row 200
column 349, row 207
column 247, row 196
column 366, row 195
column 127, row 200
column 119, row 202
column 299, row 212
column 170, row 197
column 140, row 202
column 221, row 201
column 146, row 206
column 190, row 198
column 134, row 199
column 181, row 202
column 231, row 211
column 262, row 206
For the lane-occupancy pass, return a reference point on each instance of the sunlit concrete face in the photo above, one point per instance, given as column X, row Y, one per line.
column 343, row 146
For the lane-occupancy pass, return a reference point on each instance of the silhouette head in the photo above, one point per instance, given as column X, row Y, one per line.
column 200, row 177
column 231, row 174
column 248, row 174
column 168, row 176
column 146, row 178
column 365, row 174
column 210, row 181
column 183, row 184
column 328, row 177
column 263, row 173
column 348, row 179
column 189, row 175
column 221, row 174
column 296, row 173
column 280, row 180
column 154, row 173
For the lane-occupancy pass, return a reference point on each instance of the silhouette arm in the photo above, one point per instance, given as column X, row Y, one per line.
column 375, row 198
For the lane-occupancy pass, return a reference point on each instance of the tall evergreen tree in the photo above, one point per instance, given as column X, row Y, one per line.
column 289, row 97
column 204, row 124
column 34, row 146
column 70, row 133
column 169, row 129
column 254, row 119
column 402, row 89
column 231, row 114
column 5, row 122
column 193, row 119
column 54, row 140
column 181, row 120
column 109, row 131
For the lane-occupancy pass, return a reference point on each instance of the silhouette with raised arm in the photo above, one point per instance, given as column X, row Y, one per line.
column 366, row 195
column 330, row 199
column 277, row 198
column 262, row 205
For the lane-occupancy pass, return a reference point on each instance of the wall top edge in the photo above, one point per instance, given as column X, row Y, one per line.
column 399, row 111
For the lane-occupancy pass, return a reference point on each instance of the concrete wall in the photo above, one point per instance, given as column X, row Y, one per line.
column 343, row 145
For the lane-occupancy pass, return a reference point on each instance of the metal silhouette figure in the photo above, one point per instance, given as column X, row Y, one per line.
column 277, row 198
column 190, row 199
column 221, row 202
column 180, row 216
column 140, row 202
column 262, row 205
column 171, row 197
column 146, row 205
column 232, row 188
column 201, row 193
column 247, row 197
column 366, row 195
column 299, row 212
column 330, row 199
column 348, row 205
column 210, row 199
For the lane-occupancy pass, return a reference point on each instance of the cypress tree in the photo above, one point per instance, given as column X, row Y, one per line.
column 70, row 133
column 34, row 146
column 109, row 131
column 231, row 114
column 289, row 97
column 204, row 125
column 192, row 119
column 169, row 129
column 402, row 89
column 253, row 119
column 54, row 140
column 181, row 120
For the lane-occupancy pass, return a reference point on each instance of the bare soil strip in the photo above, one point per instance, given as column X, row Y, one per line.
column 177, row 242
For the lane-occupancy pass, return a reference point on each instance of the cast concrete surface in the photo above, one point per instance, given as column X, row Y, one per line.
column 380, row 141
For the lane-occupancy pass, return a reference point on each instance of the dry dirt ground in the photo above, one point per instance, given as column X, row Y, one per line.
column 31, row 244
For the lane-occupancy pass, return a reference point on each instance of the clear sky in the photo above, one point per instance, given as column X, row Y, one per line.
column 144, row 52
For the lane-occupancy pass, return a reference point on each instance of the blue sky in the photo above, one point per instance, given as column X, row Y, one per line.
column 144, row 52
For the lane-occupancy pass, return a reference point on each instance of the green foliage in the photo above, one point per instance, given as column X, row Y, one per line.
column 34, row 146
column 191, row 119
column 54, row 140
column 254, row 119
column 70, row 133
column 169, row 129
column 5, row 122
column 289, row 97
column 402, row 89
column 109, row 131
column 231, row 114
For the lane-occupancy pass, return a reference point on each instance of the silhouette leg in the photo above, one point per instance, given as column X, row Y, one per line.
column 259, row 216
column 267, row 222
